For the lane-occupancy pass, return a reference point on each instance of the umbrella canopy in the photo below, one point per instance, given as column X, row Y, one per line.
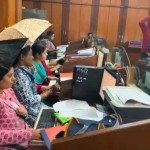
column 27, row 28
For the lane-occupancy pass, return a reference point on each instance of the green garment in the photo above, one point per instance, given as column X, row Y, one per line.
column 40, row 74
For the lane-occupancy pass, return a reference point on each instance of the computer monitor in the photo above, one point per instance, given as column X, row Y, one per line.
column 86, row 81
column 109, row 79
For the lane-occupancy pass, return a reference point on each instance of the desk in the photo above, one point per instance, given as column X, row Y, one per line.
column 89, row 61
column 132, row 136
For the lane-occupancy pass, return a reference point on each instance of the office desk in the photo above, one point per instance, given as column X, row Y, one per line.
column 132, row 136
column 88, row 61
column 124, row 137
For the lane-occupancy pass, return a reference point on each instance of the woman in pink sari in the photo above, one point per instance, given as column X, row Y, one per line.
column 14, row 132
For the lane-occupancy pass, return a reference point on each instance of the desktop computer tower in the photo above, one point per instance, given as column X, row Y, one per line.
column 87, row 83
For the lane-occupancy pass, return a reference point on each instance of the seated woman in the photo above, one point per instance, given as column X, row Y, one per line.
column 25, row 86
column 40, row 53
column 53, row 63
column 14, row 132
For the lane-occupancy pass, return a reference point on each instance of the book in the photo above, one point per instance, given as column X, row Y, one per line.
column 50, row 134
column 130, row 94
column 62, row 120
column 66, row 76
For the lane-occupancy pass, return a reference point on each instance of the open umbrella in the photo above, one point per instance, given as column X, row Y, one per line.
column 27, row 28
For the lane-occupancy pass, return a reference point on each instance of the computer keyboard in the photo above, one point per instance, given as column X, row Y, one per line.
column 47, row 119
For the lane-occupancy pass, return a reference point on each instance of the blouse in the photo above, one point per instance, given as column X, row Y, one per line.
column 26, row 92
column 13, row 129
column 40, row 74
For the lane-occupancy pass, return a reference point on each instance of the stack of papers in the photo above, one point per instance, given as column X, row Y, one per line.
column 78, row 109
column 62, row 48
column 89, row 51
column 129, row 95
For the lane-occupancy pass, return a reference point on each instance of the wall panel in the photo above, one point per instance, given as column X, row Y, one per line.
column 57, row 21
column 107, row 25
column 74, row 22
column 85, row 19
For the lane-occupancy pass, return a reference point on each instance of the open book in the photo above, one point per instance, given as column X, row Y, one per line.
column 132, row 94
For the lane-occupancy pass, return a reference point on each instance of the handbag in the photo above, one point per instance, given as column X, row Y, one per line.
column 79, row 126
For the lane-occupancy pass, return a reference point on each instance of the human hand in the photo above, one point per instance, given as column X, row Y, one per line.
column 21, row 111
column 36, row 135
column 55, row 88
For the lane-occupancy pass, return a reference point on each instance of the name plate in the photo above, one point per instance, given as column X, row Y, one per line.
column 135, row 44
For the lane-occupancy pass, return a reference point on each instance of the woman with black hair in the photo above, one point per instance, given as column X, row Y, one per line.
column 25, row 86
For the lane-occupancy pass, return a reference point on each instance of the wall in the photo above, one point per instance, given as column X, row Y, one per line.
column 11, row 12
column 115, row 20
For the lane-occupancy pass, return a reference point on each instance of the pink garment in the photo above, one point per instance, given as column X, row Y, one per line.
column 50, row 46
column 146, row 34
column 13, row 129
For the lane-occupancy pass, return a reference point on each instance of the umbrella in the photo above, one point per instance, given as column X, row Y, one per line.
column 27, row 28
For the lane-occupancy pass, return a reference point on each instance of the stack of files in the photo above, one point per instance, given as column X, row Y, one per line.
column 78, row 109
column 131, row 94
column 83, row 53
column 128, row 97
column 88, row 52
column 50, row 134
column 66, row 76
column 62, row 48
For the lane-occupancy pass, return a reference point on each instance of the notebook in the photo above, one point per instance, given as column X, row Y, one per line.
column 62, row 120
column 50, row 134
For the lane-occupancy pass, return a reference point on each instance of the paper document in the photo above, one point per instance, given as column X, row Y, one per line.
column 70, row 105
column 52, row 82
column 88, row 51
column 87, row 114
column 62, row 48
column 129, row 94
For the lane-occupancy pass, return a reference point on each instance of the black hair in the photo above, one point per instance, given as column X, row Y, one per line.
column 38, row 48
column 50, row 33
column 24, row 52
column 42, row 36
column 90, row 33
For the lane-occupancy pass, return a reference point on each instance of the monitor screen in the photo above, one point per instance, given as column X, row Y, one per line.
column 107, row 80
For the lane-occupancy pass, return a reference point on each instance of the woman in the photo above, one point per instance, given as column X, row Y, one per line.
column 51, row 37
column 40, row 53
column 13, row 129
column 25, row 86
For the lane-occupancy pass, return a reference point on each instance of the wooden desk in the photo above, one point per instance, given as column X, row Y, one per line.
column 89, row 61
column 74, row 47
column 124, row 137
